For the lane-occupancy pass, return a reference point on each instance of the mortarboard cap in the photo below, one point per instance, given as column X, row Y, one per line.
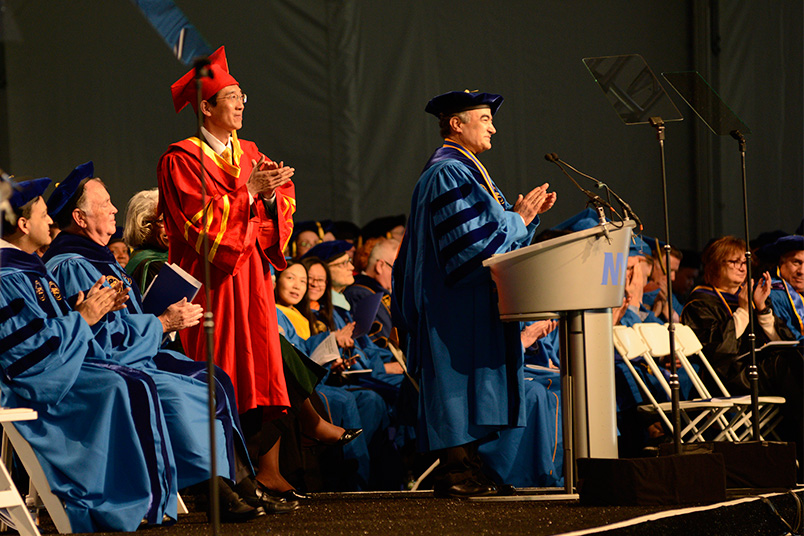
column 329, row 251
column 67, row 188
column 638, row 247
column 380, row 227
column 184, row 90
column 459, row 101
column 785, row 244
column 26, row 191
column 585, row 219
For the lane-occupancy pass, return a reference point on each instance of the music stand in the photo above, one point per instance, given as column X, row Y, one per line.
column 639, row 98
column 721, row 120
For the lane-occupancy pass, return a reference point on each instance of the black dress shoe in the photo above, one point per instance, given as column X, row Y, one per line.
column 233, row 509
column 254, row 493
column 465, row 488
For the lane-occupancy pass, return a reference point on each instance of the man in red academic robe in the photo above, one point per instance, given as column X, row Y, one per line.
column 250, row 201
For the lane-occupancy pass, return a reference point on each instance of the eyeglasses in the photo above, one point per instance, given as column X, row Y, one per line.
column 235, row 97
column 390, row 265
column 340, row 264
column 158, row 221
column 736, row 263
column 315, row 282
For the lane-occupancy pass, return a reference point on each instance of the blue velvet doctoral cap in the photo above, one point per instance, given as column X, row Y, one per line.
column 329, row 251
column 67, row 188
column 318, row 227
column 638, row 247
column 585, row 219
column 380, row 227
column 785, row 244
column 26, row 191
column 459, row 101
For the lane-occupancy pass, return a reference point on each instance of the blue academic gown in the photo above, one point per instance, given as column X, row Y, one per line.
column 788, row 305
column 100, row 436
column 346, row 408
column 467, row 362
column 132, row 338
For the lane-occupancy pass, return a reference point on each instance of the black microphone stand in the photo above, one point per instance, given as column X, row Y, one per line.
column 201, row 71
column 658, row 124
column 753, row 374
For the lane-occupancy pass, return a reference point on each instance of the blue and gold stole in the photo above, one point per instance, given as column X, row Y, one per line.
column 796, row 300
column 455, row 151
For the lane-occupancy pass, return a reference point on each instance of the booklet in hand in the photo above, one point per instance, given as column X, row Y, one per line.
column 169, row 286
column 326, row 351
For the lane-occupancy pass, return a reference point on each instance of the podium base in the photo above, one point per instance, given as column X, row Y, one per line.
column 676, row 479
column 750, row 464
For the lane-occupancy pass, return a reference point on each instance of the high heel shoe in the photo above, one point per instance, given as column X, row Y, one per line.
column 290, row 495
column 348, row 435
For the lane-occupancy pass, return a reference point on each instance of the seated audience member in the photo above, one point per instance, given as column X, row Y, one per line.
column 374, row 401
column 374, row 279
column 787, row 285
column 306, row 235
column 99, row 435
column 718, row 314
column 77, row 257
column 541, row 344
column 687, row 275
column 293, row 314
column 117, row 245
column 145, row 235
column 371, row 356
column 390, row 227
column 654, row 295
column 346, row 230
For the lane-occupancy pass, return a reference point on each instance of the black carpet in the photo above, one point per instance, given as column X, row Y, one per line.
column 420, row 513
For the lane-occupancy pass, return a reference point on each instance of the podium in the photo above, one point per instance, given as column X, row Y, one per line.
column 577, row 278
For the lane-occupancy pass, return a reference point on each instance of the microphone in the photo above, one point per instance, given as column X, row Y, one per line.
column 594, row 199
column 553, row 157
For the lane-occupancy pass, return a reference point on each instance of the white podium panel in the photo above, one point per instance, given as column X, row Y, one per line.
column 583, row 270
column 582, row 276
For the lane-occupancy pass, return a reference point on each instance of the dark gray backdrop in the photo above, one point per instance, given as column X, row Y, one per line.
column 337, row 89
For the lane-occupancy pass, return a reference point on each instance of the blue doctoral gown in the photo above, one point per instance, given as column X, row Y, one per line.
column 788, row 305
column 346, row 408
column 110, row 464
column 467, row 362
column 132, row 338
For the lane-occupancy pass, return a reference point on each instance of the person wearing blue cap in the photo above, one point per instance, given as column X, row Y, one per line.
column 467, row 362
column 99, row 436
column 718, row 314
column 133, row 338
column 787, row 284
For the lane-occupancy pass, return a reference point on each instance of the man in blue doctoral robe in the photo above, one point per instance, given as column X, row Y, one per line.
column 787, row 285
column 76, row 257
column 467, row 362
column 100, row 436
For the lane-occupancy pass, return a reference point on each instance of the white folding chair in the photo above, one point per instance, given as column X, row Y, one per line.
column 9, row 495
column 698, row 415
column 39, row 484
column 769, row 406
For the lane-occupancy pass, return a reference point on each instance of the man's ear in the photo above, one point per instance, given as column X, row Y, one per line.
column 455, row 123
column 206, row 108
column 79, row 218
column 23, row 225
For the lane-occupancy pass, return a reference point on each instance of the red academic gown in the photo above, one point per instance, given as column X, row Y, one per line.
column 243, row 240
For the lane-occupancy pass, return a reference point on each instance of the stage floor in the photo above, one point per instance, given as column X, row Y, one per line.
column 535, row 513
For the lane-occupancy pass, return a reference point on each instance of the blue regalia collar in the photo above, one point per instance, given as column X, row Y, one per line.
column 793, row 296
column 20, row 260
column 101, row 258
column 80, row 245
column 455, row 151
